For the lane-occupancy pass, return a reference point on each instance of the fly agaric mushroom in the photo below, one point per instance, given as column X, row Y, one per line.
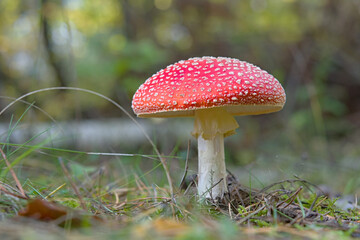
column 212, row 90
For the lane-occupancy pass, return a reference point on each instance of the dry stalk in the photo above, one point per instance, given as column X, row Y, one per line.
column 3, row 189
column 13, row 175
column 183, row 179
column 291, row 198
column 75, row 188
column 251, row 214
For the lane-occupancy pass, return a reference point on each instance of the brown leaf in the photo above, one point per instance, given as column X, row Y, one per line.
column 46, row 211
column 43, row 210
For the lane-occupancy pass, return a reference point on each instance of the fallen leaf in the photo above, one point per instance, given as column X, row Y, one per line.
column 43, row 210
column 46, row 211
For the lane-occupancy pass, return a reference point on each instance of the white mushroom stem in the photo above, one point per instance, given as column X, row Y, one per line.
column 211, row 170
column 210, row 128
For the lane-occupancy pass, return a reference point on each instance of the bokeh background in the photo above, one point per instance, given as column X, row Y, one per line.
column 112, row 46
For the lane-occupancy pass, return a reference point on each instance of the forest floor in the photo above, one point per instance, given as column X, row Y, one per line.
column 64, row 199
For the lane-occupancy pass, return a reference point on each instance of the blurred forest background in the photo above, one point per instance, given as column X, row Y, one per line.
column 113, row 46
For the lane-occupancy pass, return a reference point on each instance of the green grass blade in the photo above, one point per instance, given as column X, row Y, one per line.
column 12, row 129
column 22, row 156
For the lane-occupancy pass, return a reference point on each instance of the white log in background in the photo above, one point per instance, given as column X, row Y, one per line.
column 100, row 133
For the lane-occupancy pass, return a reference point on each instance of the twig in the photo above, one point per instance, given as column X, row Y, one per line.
column 76, row 190
column 167, row 199
column 250, row 215
column 13, row 175
column 192, row 182
column 210, row 189
column 286, row 181
column 313, row 203
column 292, row 197
column 229, row 209
column 296, row 219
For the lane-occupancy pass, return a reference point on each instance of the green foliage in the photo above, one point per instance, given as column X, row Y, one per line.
column 79, row 170
column 113, row 46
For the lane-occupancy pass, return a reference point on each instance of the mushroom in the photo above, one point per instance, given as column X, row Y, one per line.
column 213, row 90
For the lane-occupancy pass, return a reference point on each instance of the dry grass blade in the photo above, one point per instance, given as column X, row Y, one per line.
column 242, row 220
column 286, row 181
column 167, row 199
column 4, row 190
column 183, row 179
column 320, row 202
column 57, row 189
column 75, row 188
column 13, row 175
column 210, row 190
column 291, row 198
column 34, row 106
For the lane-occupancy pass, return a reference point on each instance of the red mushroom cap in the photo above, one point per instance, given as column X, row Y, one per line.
column 208, row 82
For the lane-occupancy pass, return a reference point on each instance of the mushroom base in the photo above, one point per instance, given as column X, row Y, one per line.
column 211, row 170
